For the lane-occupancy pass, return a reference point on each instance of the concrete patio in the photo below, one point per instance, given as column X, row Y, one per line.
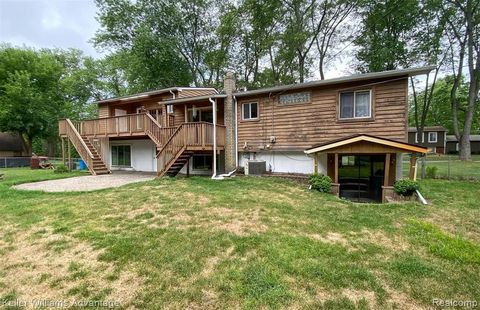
column 88, row 183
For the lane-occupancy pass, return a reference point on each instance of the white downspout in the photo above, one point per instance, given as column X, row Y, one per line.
column 236, row 131
column 173, row 94
column 214, row 108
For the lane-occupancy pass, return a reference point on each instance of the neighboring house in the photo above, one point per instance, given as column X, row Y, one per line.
column 353, row 129
column 453, row 147
column 11, row 145
column 433, row 138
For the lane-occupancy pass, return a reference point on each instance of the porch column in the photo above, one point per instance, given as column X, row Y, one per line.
column 413, row 167
column 336, row 169
column 387, row 169
column 315, row 163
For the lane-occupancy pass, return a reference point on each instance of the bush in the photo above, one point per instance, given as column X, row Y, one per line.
column 61, row 169
column 321, row 183
column 406, row 187
column 431, row 172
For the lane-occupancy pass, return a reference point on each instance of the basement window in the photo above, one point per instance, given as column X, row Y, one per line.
column 250, row 110
column 355, row 104
column 202, row 162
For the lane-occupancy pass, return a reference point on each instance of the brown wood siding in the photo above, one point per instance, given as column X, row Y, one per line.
column 103, row 111
column 195, row 92
column 299, row 126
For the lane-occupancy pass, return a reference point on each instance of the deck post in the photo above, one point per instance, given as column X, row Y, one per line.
column 63, row 150
column 188, row 167
column 69, row 154
column 336, row 169
column 315, row 163
column 186, row 114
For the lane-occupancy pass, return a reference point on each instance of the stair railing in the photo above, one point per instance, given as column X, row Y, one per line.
column 79, row 144
column 170, row 149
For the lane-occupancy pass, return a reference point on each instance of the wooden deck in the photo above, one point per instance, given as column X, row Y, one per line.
column 198, row 135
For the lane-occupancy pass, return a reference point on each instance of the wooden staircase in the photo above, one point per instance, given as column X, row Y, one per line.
column 180, row 161
column 85, row 149
column 182, row 144
column 98, row 166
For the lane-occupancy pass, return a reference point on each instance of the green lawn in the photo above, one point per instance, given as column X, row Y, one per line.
column 448, row 166
column 238, row 243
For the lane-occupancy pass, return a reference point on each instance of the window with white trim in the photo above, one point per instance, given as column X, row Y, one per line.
column 250, row 111
column 170, row 108
column 355, row 104
column 432, row 137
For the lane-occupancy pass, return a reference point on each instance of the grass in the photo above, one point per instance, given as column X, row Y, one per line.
column 238, row 243
column 448, row 166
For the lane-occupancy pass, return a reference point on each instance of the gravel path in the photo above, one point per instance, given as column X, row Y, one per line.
column 88, row 183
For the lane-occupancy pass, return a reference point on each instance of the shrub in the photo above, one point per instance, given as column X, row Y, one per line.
column 431, row 172
column 61, row 169
column 320, row 182
column 406, row 187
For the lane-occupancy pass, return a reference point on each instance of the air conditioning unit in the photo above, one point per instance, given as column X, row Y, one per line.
column 255, row 167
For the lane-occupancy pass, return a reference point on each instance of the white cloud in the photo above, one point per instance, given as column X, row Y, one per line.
column 49, row 23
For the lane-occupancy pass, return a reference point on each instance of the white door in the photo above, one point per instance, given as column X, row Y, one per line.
column 121, row 121
column 139, row 119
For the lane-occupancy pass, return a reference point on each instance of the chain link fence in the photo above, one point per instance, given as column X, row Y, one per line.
column 17, row 162
column 445, row 167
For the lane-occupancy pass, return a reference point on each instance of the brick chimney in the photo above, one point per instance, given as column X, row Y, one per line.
column 230, row 119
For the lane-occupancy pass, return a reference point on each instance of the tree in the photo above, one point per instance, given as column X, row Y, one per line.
column 30, row 96
column 383, row 42
column 463, row 33
column 440, row 109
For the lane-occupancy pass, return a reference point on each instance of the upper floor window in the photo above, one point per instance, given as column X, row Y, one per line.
column 250, row 110
column 355, row 104
column 418, row 140
column 295, row 98
column 170, row 108
column 432, row 137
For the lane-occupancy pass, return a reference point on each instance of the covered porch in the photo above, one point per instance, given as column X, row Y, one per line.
column 364, row 168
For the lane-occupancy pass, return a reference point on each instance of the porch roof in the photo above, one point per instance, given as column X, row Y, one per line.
column 193, row 99
column 153, row 93
column 397, row 145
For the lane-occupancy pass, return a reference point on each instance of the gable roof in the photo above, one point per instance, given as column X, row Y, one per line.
column 428, row 128
column 352, row 78
column 10, row 142
column 155, row 92
column 364, row 137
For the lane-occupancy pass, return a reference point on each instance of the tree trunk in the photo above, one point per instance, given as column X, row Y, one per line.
column 465, row 150
column 27, row 143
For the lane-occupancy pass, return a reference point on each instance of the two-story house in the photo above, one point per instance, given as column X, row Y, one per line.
column 434, row 138
column 353, row 129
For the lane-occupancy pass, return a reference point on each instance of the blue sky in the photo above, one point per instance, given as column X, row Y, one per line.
column 49, row 23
